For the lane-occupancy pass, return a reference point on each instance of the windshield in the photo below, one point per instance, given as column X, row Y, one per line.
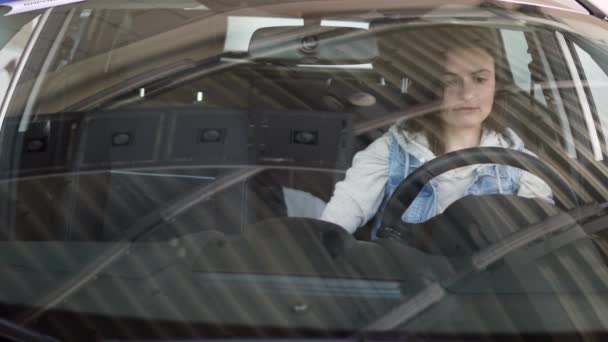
column 184, row 169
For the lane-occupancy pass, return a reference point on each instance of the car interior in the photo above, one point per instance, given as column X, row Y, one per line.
column 283, row 111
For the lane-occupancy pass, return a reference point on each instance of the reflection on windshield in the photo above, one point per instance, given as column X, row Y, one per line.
column 268, row 170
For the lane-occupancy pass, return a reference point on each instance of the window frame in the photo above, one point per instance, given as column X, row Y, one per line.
column 573, row 43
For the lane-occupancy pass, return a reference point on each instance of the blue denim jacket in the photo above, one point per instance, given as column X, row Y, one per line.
column 488, row 179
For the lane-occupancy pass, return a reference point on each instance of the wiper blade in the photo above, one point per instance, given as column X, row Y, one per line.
column 137, row 231
column 436, row 291
column 17, row 333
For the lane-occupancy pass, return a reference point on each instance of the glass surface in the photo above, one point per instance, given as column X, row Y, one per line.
column 166, row 169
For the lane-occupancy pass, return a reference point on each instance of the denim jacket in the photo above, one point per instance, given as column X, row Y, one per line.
column 488, row 179
column 379, row 169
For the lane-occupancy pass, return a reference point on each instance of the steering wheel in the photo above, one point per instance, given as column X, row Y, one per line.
column 409, row 188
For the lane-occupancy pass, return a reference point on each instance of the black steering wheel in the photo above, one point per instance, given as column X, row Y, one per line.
column 409, row 188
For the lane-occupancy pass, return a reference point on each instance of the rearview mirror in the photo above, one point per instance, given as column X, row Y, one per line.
column 313, row 44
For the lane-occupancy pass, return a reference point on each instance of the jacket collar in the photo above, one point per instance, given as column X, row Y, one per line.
column 417, row 145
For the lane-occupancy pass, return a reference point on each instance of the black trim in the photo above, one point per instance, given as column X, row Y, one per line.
column 593, row 10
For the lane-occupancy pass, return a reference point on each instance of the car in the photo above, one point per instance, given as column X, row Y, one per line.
column 166, row 169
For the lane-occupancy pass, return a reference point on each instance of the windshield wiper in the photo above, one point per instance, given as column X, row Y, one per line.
column 17, row 333
column 436, row 291
column 142, row 228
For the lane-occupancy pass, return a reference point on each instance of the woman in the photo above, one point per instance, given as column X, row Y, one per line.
column 465, row 120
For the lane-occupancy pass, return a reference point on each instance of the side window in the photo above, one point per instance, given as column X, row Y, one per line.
column 532, row 75
column 519, row 59
column 596, row 80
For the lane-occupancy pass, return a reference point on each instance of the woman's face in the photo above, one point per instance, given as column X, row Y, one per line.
column 469, row 84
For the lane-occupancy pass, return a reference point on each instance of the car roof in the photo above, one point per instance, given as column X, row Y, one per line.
column 558, row 4
column 221, row 6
